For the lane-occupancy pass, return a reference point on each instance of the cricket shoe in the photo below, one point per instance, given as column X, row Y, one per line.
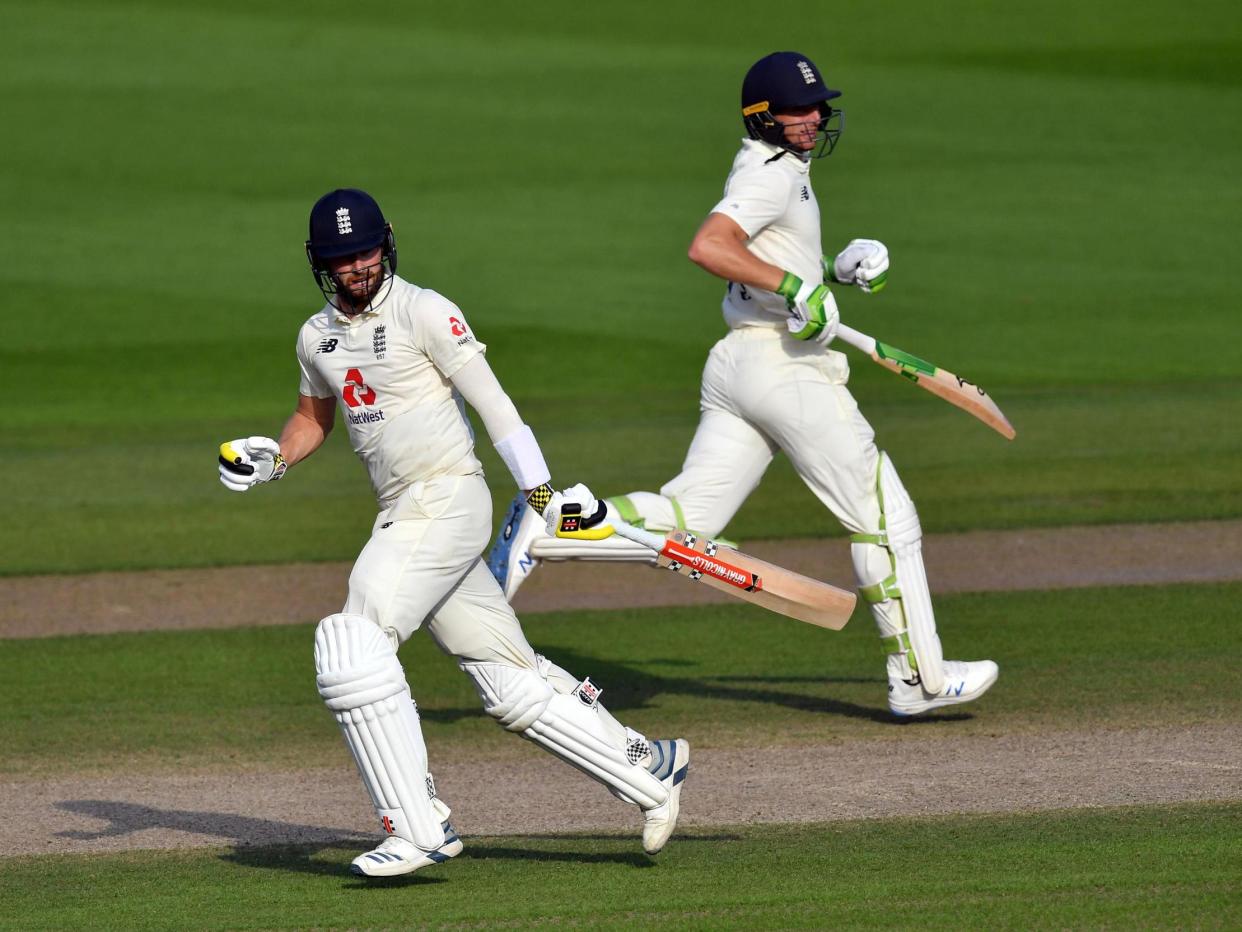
column 964, row 681
column 670, row 760
column 396, row 856
column 510, row 558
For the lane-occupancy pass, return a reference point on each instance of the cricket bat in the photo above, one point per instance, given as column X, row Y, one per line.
column 745, row 577
column 953, row 389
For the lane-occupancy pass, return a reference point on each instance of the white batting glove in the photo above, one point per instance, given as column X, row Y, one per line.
column 578, row 514
column 246, row 462
column 812, row 309
column 864, row 262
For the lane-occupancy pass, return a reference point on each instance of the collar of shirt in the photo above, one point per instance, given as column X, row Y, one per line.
column 768, row 151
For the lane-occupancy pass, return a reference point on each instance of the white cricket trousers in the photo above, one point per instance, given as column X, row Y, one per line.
column 763, row 391
column 422, row 565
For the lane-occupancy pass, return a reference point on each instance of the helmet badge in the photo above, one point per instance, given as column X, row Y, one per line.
column 343, row 224
column 808, row 74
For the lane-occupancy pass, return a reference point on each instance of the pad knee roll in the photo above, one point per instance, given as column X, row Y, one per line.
column 363, row 685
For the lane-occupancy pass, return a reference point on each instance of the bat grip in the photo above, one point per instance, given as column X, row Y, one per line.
column 856, row 339
column 646, row 538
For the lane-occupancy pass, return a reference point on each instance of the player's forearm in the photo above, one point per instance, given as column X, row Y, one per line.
column 719, row 248
column 514, row 441
column 743, row 268
column 302, row 435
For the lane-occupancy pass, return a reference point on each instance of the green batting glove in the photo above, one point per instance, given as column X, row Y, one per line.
column 812, row 309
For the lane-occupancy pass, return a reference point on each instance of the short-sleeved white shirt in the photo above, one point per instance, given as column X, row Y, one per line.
column 772, row 200
column 389, row 370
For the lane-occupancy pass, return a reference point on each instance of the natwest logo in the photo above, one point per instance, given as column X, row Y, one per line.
column 356, row 391
column 456, row 326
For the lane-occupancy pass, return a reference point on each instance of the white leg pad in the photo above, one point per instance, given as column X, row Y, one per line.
column 569, row 726
column 905, row 541
column 364, row 687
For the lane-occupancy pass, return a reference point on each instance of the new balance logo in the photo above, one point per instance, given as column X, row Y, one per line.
column 343, row 223
column 327, row 346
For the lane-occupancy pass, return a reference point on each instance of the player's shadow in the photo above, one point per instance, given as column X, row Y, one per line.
column 268, row 844
column 265, row 843
column 631, row 687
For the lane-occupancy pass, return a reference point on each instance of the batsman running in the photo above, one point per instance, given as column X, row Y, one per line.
column 773, row 384
column 399, row 360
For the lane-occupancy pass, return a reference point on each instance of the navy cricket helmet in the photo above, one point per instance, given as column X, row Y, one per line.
column 788, row 81
column 345, row 222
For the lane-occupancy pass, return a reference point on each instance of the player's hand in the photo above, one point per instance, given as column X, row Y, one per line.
column 247, row 462
column 812, row 309
column 578, row 514
column 864, row 262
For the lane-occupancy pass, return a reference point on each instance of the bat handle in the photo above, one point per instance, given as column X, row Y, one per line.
column 639, row 536
column 856, row 339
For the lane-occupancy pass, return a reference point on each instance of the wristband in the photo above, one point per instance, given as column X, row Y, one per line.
column 539, row 498
column 522, row 455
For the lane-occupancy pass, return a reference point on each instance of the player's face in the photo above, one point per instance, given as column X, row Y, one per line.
column 358, row 276
column 801, row 126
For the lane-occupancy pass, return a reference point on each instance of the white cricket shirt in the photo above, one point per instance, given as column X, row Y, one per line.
column 771, row 199
column 389, row 371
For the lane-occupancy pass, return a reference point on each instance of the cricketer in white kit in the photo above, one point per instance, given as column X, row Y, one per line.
column 772, row 384
column 400, row 361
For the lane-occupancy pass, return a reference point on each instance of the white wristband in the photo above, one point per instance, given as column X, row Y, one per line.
column 521, row 453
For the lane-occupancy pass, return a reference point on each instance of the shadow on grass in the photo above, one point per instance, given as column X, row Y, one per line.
column 633, row 687
column 303, row 851
column 126, row 818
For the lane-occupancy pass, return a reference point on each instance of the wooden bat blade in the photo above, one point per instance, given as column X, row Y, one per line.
column 766, row 584
column 955, row 390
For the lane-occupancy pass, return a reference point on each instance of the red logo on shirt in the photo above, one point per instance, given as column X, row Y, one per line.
column 356, row 391
column 458, row 327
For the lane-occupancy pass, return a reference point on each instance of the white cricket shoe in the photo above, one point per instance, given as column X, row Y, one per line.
column 964, row 681
column 510, row 559
column 395, row 856
column 670, row 760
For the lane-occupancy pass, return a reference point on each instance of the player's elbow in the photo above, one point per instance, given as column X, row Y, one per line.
column 700, row 252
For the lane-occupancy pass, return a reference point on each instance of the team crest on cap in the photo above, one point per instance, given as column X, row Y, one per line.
column 808, row 73
column 343, row 224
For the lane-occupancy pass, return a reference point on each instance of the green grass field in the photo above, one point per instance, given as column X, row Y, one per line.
column 240, row 700
column 1058, row 185
column 1154, row 867
column 156, row 700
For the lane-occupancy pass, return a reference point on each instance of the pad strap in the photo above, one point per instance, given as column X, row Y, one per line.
column 882, row 591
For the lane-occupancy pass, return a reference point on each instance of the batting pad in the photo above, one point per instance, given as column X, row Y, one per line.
column 568, row 725
column 363, row 685
column 905, row 542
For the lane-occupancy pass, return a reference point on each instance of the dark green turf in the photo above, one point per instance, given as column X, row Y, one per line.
column 1057, row 184
column 1097, row 657
column 1155, row 867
